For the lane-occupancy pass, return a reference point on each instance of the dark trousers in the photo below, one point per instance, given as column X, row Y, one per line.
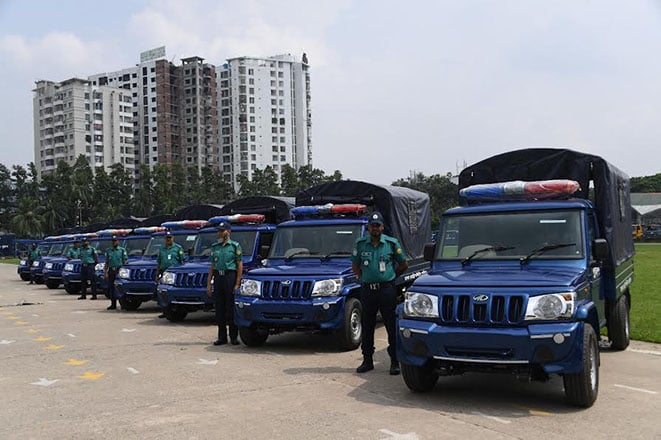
column 112, row 274
column 383, row 299
column 223, row 289
column 87, row 273
column 30, row 270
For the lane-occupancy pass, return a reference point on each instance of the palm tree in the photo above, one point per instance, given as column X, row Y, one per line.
column 27, row 222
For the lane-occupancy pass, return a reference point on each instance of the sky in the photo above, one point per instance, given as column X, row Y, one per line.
column 398, row 87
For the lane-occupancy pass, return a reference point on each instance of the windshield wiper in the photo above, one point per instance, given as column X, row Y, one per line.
column 485, row 249
column 335, row 253
column 297, row 253
column 548, row 247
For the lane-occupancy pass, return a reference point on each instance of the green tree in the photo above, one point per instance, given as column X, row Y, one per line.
column 263, row 182
column 27, row 222
column 293, row 181
column 443, row 194
column 646, row 184
column 121, row 190
column 143, row 201
column 7, row 202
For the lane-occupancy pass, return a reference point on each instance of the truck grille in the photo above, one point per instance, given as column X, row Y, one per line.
column 58, row 266
column 191, row 280
column 497, row 309
column 286, row 290
column 77, row 267
column 143, row 274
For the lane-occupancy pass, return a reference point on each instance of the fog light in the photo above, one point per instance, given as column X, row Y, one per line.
column 239, row 305
column 325, row 306
column 406, row 333
column 558, row 338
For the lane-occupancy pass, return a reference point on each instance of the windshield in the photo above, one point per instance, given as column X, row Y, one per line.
column 56, row 249
column 204, row 241
column 101, row 245
column 511, row 235
column 43, row 249
column 315, row 241
column 135, row 246
column 186, row 241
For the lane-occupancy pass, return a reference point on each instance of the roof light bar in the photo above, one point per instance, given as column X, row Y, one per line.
column 110, row 232
column 328, row 208
column 520, row 190
column 185, row 224
column 237, row 218
column 148, row 229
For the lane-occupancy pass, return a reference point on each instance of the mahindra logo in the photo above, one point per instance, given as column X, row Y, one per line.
column 286, row 282
column 480, row 298
column 191, row 274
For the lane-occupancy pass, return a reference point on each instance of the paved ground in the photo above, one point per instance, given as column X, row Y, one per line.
column 72, row 370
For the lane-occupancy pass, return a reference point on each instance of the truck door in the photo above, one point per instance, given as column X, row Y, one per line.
column 595, row 272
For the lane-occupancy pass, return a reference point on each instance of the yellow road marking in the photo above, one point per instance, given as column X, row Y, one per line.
column 21, row 323
column 533, row 411
column 76, row 362
column 32, row 330
column 53, row 347
column 89, row 375
column 43, row 338
column 13, row 317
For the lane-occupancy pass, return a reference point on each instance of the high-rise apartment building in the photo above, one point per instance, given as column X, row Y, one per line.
column 265, row 114
column 74, row 117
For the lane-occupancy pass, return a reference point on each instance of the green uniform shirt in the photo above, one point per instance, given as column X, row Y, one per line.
column 88, row 255
column 116, row 257
column 170, row 256
column 225, row 256
column 377, row 263
column 34, row 254
column 73, row 253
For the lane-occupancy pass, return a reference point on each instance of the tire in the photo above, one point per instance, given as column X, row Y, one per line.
column 618, row 324
column 25, row 276
column 351, row 333
column 72, row 289
column 53, row 284
column 419, row 379
column 129, row 303
column 253, row 337
column 174, row 315
column 581, row 389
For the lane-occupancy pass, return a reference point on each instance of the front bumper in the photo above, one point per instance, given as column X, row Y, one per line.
column 189, row 298
column 555, row 347
column 52, row 274
column 324, row 313
column 146, row 290
column 70, row 277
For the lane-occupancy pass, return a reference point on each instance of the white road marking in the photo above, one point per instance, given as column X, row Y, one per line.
column 655, row 353
column 6, row 341
column 207, row 362
column 35, row 315
column 133, row 370
column 642, row 390
column 497, row 419
column 128, row 330
column 79, row 311
column 71, row 335
column 398, row 436
column 45, row 382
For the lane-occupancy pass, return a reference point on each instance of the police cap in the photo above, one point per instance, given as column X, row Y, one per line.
column 168, row 234
column 376, row 218
column 224, row 226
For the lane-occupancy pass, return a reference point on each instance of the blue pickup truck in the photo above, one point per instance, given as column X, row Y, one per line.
column 533, row 270
column 182, row 289
column 71, row 274
column 57, row 246
column 23, row 268
column 54, row 265
column 135, row 242
column 307, row 283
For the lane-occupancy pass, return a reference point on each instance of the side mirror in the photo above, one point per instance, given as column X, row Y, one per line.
column 430, row 251
column 264, row 251
column 600, row 250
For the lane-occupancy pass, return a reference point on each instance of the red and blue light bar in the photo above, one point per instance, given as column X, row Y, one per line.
column 520, row 190
column 185, row 224
column 111, row 232
column 237, row 218
column 148, row 230
column 328, row 208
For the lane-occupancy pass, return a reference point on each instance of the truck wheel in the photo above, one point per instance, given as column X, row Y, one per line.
column 25, row 276
column 129, row 303
column 618, row 324
column 72, row 289
column 253, row 337
column 53, row 284
column 581, row 388
column 174, row 315
column 351, row 333
column 420, row 379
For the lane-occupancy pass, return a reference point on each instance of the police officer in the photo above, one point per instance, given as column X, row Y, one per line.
column 74, row 252
column 116, row 257
column 172, row 254
column 377, row 260
column 89, row 259
column 33, row 255
column 225, row 270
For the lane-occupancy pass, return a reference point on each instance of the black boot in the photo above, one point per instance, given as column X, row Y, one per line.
column 367, row 365
column 394, row 367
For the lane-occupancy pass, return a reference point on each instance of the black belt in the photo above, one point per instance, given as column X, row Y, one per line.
column 88, row 264
column 224, row 272
column 376, row 286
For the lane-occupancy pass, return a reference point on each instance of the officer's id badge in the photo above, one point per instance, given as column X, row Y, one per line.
column 169, row 257
column 382, row 266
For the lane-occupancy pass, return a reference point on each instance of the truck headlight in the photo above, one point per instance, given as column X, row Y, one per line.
column 167, row 278
column 420, row 305
column 327, row 287
column 48, row 265
column 251, row 287
column 22, row 263
column 124, row 273
column 68, row 267
column 552, row 306
column 35, row 264
column 99, row 267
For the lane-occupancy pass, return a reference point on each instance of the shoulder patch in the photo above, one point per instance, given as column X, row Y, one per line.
column 399, row 250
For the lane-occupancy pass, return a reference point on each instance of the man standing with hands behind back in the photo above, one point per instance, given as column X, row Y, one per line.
column 225, row 269
column 172, row 254
column 116, row 257
column 377, row 260
column 89, row 259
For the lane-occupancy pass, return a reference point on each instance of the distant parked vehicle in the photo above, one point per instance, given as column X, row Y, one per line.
column 652, row 233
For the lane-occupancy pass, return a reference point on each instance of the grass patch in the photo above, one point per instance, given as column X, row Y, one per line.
column 9, row 260
column 645, row 299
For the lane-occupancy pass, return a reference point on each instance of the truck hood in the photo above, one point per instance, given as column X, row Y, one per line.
column 326, row 270
column 499, row 276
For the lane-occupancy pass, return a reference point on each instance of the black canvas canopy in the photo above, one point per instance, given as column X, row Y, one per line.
column 612, row 196
column 156, row 220
column 406, row 212
column 274, row 208
column 198, row 212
